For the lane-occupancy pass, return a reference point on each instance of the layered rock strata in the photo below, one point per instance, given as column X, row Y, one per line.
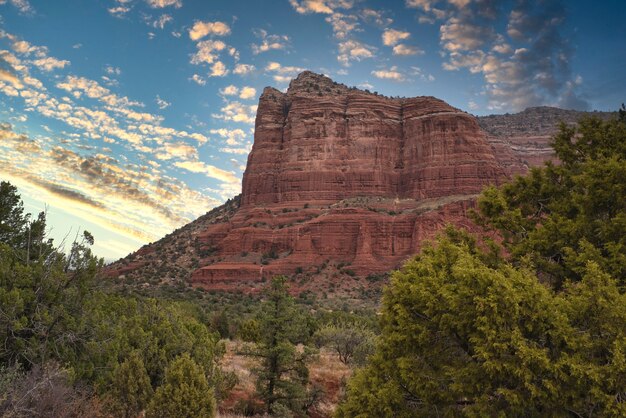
column 345, row 176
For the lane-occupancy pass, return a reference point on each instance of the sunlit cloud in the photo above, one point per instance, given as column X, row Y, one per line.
column 201, row 29
column 159, row 4
column 269, row 42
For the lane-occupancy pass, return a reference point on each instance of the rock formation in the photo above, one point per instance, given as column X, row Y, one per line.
column 342, row 184
column 345, row 176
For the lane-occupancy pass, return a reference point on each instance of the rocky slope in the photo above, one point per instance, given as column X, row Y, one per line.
column 525, row 136
column 341, row 185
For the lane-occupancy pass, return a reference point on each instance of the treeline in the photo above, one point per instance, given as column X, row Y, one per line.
column 533, row 325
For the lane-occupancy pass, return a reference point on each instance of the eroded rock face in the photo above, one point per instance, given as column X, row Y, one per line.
column 338, row 176
column 342, row 184
column 324, row 142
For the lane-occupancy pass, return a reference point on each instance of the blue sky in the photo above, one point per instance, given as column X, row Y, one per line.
column 129, row 118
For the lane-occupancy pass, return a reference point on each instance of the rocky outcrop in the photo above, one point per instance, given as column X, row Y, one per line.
column 338, row 175
column 341, row 185
column 323, row 142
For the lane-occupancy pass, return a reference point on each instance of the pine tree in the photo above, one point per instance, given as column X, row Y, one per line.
column 283, row 374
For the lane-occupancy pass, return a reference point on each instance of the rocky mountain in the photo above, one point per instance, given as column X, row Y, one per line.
column 526, row 135
column 342, row 185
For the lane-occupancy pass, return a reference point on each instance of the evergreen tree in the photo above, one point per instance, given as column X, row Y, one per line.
column 466, row 335
column 131, row 389
column 184, row 393
column 283, row 373
column 12, row 219
column 561, row 216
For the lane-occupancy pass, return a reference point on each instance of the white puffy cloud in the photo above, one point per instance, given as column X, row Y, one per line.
column 402, row 49
column 218, row 69
column 243, row 69
column 201, row 29
column 247, row 93
column 282, row 74
column 159, row 4
column 320, row 6
column 207, row 51
column 232, row 136
column 352, row 50
column 391, row 36
column 389, row 74
column 50, row 63
column 237, row 112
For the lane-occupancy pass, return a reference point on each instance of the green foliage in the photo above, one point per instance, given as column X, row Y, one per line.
column 130, row 389
column 283, row 374
column 12, row 219
column 560, row 216
column 185, row 392
column 55, row 311
column 464, row 335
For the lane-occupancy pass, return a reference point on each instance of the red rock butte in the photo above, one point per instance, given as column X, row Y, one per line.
column 341, row 175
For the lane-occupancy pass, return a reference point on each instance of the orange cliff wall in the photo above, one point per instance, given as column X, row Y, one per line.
column 341, row 174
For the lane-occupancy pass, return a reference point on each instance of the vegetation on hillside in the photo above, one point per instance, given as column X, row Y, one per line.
column 537, row 328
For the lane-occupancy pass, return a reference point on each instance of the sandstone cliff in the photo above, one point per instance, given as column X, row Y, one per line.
column 342, row 184
column 338, row 176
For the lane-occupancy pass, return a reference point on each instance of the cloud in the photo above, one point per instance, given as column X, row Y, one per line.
column 243, row 69
column 119, row 11
column 125, row 198
column 112, row 70
column 230, row 90
column 162, row 104
column 269, row 42
column 11, row 78
column 207, row 51
column 343, row 25
column 282, row 74
column 177, row 150
column 208, row 170
column 163, row 20
column 390, row 74
column 402, row 49
column 201, row 29
column 198, row 80
column 352, row 50
column 232, row 136
column 237, row 112
column 320, row 6
column 460, row 35
column 391, row 36
column 218, row 69
column 23, row 6
column 524, row 64
column 247, row 93
column 159, row 4
column 50, row 63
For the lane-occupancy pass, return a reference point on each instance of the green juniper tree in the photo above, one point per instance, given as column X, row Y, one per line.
column 185, row 392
